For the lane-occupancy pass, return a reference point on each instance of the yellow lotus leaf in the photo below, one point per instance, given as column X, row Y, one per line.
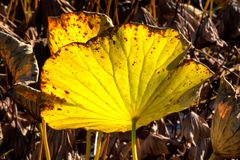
column 75, row 27
column 129, row 72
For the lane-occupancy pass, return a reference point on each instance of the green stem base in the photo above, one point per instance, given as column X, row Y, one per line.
column 134, row 137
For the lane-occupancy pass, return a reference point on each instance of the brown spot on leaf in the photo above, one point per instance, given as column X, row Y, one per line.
column 223, row 109
column 177, row 37
column 66, row 92
column 90, row 25
column 47, row 107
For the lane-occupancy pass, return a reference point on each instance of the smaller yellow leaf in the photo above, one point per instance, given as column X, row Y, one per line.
column 75, row 27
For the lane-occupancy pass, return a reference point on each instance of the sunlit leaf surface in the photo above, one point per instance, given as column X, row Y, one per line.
column 75, row 27
column 129, row 72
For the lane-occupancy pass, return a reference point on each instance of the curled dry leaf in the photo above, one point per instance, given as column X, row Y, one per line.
column 13, row 139
column 15, row 132
column 85, row 25
column 208, row 33
column 61, row 143
column 153, row 145
column 32, row 99
column 144, row 16
column 228, row 22
column 178, row 17
column 225, row 131
column 197, row 134
column 27, row 96
column 19, row 58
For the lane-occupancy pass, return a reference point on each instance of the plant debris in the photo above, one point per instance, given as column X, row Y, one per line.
column 209, row 127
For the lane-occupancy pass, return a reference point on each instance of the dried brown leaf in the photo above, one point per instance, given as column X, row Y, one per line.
column 197, row 134
column 208, row 33
column 176, row 16
column 228, row 21
column 32, row 99
column 19, row 58
column 154, row 145
column 61, row 143
column 225, row 131
column 15, row 136
column 195, row 127
column 144, row 16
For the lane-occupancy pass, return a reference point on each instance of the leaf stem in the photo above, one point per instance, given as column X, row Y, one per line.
column 108, row 7
column 41, row 144
column 104, row 147
column 88, row 145
column 99, row 144
column 43, row 129
column 134, row 146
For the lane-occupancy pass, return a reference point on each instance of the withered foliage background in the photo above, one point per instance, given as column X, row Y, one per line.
column 215, row 35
